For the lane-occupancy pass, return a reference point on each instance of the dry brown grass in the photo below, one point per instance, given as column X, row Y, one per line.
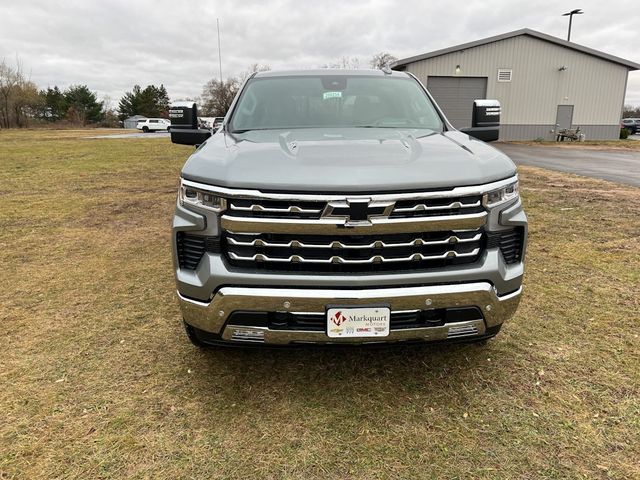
column 629, row 145
column 98, row 380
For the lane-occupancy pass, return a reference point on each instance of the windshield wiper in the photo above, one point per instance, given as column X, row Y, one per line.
column 416, row 127
column 372, row 126
column 245, row 130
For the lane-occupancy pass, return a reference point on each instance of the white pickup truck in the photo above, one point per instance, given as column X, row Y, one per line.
column 154, row 125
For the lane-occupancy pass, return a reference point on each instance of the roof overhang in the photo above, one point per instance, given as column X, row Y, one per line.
column 401, row 64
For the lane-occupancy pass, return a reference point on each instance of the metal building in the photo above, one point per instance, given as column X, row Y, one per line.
column 542, row 82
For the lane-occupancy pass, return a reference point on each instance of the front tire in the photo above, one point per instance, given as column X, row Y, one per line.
column 145, row 129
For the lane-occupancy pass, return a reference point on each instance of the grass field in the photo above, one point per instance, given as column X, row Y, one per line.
column 629, row 144
column 98, row 380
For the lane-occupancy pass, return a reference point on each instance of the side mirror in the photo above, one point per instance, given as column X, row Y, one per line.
column 485, row 124
column 184, row 124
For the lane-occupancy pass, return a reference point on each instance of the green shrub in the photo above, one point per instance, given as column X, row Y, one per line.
column 624, row 133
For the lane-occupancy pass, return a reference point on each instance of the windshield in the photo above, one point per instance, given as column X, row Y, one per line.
column 333, row 101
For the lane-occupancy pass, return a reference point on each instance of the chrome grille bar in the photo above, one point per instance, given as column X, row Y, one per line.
column 336, row 244
column 331, row 226
column 299, row 197
column 336, row 259
column 421, row 207
column 261, row 208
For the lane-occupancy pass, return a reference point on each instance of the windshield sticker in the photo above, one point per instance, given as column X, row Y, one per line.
column 326, row 95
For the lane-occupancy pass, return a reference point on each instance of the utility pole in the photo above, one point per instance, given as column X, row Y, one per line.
column 219, row 52
column 577, row 11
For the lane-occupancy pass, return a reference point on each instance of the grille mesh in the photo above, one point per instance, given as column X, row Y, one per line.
column 191, row 248
column 509, row 242
column 353, row 253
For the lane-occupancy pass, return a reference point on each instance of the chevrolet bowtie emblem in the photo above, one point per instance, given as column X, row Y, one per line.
column 358, row 211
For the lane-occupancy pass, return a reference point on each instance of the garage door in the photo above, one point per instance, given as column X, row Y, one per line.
column 455, row 95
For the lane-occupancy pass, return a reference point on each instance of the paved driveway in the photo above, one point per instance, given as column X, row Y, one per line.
column 614, row 165
column 135, row 135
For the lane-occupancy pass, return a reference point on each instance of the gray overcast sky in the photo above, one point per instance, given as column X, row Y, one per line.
column 112, row 45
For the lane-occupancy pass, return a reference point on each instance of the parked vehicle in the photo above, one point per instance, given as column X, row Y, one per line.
column 631, row 124
column 217, row 122
column 341, row 207
column 154, row 125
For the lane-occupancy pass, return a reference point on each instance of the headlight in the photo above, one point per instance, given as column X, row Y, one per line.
column 201, row 198
column 502, row 195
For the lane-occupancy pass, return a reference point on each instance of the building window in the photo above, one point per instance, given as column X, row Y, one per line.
column 504, row 74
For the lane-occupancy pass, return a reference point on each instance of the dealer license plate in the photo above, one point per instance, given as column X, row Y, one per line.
column 348, row 322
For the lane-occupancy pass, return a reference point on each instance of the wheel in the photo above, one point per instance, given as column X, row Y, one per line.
column 193, row 336
column 145, row 129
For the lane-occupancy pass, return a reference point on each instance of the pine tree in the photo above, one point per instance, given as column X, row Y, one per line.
column 53, row 104
column 151, row 101
column 83, row 105
column 163, row 101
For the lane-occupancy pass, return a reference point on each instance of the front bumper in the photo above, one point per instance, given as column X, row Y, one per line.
column 213, row 317
column 213, row 291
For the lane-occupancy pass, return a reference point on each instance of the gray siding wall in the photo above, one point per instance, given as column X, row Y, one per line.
column 532, row 132
column 455, row 95
column 595, row 87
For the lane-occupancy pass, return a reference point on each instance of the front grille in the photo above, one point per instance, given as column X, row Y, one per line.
column 274, row 208
column 317, row 322
column 315, row 209
column 509, row 242
column 437, row 207
column 191, row 248
column 353, row 253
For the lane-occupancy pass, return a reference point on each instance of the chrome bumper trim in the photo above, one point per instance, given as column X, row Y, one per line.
column 212, row 316
column 238, row 333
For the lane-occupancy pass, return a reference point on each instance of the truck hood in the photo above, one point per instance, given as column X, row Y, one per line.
column 346, row 160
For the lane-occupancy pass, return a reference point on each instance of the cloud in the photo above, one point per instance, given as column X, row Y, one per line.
column 110, row 46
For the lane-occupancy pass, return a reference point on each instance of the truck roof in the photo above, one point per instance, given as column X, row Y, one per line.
column 329, row 71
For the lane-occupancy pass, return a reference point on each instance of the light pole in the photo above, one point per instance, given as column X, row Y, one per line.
column 219, row 51
column 577, row 11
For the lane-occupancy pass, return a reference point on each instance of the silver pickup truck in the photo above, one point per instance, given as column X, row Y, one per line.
column 341, row 207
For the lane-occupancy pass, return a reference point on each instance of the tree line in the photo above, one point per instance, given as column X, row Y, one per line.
column 217, row 95
column 629, row 111
column 22, row 102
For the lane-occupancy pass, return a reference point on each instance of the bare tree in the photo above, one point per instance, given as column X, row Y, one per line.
column 345, row 63
column 8, row 82
column 381, row 60
column 631, row 111
column 19, row 97
column 217, row 96
column 256, row 67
